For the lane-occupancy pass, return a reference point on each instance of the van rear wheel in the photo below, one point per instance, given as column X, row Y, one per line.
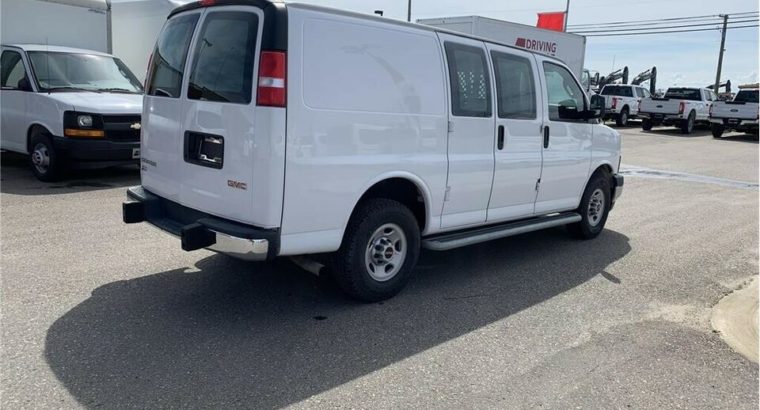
column 379, row 251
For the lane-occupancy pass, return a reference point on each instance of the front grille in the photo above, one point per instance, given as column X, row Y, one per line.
column 120, row 127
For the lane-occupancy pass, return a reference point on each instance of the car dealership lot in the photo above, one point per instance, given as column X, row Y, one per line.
column 100, row 314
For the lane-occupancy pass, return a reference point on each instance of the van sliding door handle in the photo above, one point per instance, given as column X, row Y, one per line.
column 500, row 137
column 546, row 136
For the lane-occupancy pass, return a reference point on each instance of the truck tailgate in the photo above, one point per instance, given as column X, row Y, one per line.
column 659, row 106
column 730, row 109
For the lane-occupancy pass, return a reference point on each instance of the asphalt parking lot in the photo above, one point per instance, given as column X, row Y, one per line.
column 96, row 313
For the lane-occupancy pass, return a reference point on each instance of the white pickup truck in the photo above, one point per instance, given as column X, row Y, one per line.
column 622, row 101
column 741, row 114
column 680, row 106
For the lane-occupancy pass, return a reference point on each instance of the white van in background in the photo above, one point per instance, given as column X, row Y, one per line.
column 274, row 130
column 68, row 107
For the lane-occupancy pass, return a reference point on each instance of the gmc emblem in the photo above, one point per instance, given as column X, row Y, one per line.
column 237, row 184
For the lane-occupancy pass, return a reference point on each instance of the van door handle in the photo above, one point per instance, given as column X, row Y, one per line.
column 546, row 136
column 500, row 138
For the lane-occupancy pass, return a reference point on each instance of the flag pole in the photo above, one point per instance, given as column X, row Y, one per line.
column 567, row 14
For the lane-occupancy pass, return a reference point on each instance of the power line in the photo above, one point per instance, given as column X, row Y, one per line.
column 672, row 19
column 716, row 20
column 583, row 32
column 663, row 32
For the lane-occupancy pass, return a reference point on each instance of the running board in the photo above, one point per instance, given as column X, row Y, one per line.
column 470, row 237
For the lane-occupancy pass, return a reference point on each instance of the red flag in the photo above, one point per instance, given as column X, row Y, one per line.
column 552, row 21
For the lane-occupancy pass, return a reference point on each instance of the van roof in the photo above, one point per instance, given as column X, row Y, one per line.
column 55, row 49
column 371, row 17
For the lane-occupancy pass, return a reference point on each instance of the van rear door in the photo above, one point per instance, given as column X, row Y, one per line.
column 198, row 142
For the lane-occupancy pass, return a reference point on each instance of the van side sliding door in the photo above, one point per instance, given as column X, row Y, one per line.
column 471, row 132
column 518, row 134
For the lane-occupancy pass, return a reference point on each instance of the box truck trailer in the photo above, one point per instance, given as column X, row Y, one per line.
column 570, row 48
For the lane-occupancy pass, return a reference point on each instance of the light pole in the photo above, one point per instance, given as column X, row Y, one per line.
column 409, row 11
column 720, row 56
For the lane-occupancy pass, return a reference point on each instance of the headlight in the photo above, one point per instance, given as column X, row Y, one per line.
column 84, row 121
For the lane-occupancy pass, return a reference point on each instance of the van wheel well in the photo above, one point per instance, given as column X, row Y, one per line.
column 34, row 130
column 603, row 169
column 403, row 191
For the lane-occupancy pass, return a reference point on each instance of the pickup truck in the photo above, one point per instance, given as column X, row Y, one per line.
column 741, row 114
column 680, row 106
column 622, row 101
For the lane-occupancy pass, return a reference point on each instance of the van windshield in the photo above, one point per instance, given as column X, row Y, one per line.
column 691, row 94
column 749, row 96
column 617, row 90
column 57, row 71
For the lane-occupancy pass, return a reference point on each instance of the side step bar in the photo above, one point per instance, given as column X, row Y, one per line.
column 470, row 237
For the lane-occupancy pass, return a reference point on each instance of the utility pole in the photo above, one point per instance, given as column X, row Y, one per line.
column 567, row 14
column 409, row 12
column 720, row 56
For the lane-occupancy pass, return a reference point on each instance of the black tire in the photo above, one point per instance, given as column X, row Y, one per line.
column 717, row 130
column 350, row 266
column 646, row 124
column 588, row 227
column 46, row 163
column 622, row 119
column 687, row 125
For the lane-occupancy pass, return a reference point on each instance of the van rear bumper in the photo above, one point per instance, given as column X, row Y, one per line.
column 198, row 229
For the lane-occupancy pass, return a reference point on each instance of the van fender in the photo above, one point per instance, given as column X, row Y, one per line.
column 416, row 180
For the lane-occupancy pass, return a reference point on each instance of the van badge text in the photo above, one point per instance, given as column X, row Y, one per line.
column 237, row 184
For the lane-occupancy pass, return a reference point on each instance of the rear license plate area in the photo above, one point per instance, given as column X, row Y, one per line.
column 204, row 149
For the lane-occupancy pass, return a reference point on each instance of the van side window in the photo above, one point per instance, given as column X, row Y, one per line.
column 11, row 70
column 167, row 64
column 646, row 93
column 223, row 58
column 515, row 87
column 562, row 90
column 468, row 76
column 638, row 93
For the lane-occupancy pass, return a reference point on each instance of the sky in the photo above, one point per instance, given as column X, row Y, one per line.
column 683, row 59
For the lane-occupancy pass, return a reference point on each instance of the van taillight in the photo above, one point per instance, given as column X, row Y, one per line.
column 614, row 102
column 710, row 112
column 681, row 107
column 271, row 90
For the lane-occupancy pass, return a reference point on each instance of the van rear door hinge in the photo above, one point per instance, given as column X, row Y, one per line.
column 451, row 126
column 446, row 194
column 538, row 183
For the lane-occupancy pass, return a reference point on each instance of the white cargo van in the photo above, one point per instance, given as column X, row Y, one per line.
column 68, row 108
column 274, row 130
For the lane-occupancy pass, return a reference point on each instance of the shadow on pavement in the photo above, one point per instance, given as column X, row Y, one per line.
column 18, row 179
column 701, row 131
column 749, row 138
column 235, row 334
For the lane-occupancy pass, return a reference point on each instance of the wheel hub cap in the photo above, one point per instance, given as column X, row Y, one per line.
column 41, row 158
column 386, row 252
column 596, row 207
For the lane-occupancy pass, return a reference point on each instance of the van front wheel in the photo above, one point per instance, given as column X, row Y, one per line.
column 594, row 207
column 379, row 251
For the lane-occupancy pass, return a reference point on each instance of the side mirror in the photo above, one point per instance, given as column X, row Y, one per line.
column 24, row 84
column 596, row 107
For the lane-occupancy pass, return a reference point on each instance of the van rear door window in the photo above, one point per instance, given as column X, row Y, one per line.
column 223, row 58
column 168, row 61
column 470, row 84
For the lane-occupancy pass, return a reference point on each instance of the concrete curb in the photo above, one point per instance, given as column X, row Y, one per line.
column 735, row 317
